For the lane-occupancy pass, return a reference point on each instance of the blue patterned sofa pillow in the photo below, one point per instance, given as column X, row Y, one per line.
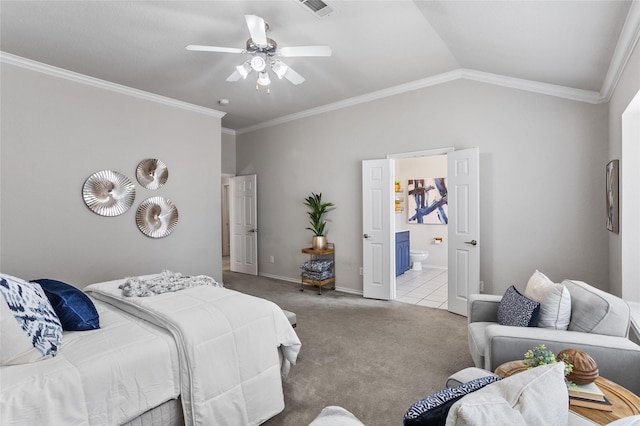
column 433, row 409
column 74, row 308
column 517, row 310
column 34, row 313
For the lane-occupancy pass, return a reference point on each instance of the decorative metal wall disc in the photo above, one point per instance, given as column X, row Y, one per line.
column 152, row 173
column 157, row 217
column 108, row 193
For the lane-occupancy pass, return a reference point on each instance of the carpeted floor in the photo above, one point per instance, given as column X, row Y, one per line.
column 374, row 358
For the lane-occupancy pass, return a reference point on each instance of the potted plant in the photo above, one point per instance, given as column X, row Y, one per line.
column 317, row 211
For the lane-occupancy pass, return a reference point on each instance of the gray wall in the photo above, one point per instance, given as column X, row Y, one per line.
column 228, row 152
column 627, row 87
column 541, row 160
column 56, row 133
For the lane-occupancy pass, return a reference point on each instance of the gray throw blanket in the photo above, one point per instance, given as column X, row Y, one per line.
column 165, row 282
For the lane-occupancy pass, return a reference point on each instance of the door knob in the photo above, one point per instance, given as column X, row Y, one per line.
column 253, row 230
column 472, row 242
column 367, row 236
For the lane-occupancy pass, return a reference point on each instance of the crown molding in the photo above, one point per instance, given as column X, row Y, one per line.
column 8, row 58
column 228, row 131
column 403, row 88
column 580, row 95
column 627, row 41
column 461, row 73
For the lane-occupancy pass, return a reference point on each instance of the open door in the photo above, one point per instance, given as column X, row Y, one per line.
column 243, row 212
column 464, row 227
column 378, row 263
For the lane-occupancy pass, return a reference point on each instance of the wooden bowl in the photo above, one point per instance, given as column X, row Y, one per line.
column 585, row 369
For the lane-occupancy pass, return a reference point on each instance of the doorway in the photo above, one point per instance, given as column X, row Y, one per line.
column 463, row 270
column 425, row 284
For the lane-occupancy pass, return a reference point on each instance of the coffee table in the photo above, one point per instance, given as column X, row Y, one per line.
column 625, row 403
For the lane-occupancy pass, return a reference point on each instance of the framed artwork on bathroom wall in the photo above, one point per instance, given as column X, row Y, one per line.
column 427, row 201
column 612, row 196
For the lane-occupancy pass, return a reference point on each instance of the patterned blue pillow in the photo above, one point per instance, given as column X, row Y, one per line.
column 73, row 307
column 433, row 409
column 34, row 313
column 517, row 310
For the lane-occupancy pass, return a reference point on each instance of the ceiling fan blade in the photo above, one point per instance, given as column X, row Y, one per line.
column 200, row 48
column 235, row 76
column 304, row 51
column 293, row 76
column 257, row 29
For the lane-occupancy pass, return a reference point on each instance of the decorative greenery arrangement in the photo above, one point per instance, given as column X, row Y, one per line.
column 540, row 355
column 318, row 209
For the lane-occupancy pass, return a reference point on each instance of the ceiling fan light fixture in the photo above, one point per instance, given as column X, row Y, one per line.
column 244, row 70
column 280, row 69
column 258, row 63
column 263, row 79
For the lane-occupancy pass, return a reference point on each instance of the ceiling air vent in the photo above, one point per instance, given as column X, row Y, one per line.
column 317, row 7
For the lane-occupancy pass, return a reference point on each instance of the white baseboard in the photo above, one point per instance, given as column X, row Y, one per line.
column 279, row 277
column 297, row 281
column 349, row 290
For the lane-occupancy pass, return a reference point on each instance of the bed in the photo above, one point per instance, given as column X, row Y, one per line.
column 202, row 355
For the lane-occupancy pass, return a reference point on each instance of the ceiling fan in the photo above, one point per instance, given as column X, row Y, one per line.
column 265, row 52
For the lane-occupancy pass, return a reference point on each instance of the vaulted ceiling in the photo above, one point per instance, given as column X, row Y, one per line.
column 378, row 47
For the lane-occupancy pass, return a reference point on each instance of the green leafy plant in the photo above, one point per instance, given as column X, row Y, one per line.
column 317, row 211
column 540, row 355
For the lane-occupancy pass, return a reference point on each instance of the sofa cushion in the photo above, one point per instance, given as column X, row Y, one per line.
column 518, row 310
column 335, row 416
column 595, row 311
column 554, row 299
column 535, row 397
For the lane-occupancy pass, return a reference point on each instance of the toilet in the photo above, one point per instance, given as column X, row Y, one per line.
column 417, row 257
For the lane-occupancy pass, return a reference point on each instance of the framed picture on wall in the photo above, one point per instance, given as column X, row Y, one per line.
column 427, row 202
column 612, row 196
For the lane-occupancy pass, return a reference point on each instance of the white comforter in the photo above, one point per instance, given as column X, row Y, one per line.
column 99, row 377
column 228, row 346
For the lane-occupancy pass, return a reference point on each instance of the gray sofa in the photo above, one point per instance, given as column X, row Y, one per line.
column 599, row 326
column 573, row 419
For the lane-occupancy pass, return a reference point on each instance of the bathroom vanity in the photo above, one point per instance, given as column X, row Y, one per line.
column 403, row 249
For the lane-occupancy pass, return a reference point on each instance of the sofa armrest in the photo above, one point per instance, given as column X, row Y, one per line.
column 466, row 375
column 617, row 358
column 483, row 307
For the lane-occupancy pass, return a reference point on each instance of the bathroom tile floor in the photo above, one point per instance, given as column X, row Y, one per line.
column 428, row 287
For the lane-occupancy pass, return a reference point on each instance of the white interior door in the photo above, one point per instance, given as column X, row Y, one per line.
column 225, row 220
column 243, row 212
column 378, row 267
column 464, row 227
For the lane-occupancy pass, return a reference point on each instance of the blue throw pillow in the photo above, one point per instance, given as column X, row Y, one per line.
column 34, row 313
column 74, row 308
column 433, row 410
column 518, row 310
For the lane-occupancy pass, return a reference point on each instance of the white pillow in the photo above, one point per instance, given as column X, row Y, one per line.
column 538, row 286
column 534, row 397
column 27, row 305
column 554, row 299
column 15, row 345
